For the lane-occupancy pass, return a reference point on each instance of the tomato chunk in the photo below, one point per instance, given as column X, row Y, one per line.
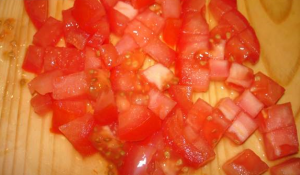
column 160, row 104
column 183, row 96
column 197, row 153
column 171, row 8
column 126, row 44
column 290, row 166
column 77, row 38
column 126, row 9
column 101, row 36
column 70, row 86
column 151, row 20
column 266, row 90
column 37, row 11
column 194, row 23
column 246, row 162
column 117, row 21
column 69, row 60
column 240, row 77
column 68, row 20
column 43, row 83
column 228, row 107
column 192, row 5
column 249, row 103
column 77, row 132
column 142, row 4
column 137, row 123
column 281, row 142
column 241, row 128
column 132, row 61
column 41, row 104
column 109, row 56
column 159, row 75
column 219, row 69
column 49, row 34
column 171, row 31
column 92, row 61
column 34, row 59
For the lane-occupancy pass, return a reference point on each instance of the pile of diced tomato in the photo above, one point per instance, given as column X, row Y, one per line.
column 131, row 97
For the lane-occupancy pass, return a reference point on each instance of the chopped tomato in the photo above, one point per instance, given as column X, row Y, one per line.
column 160, row 104
column 160, row 52
column 92, row 61
column 241, row 128
column 101, row 36
column 106, row 111
column 171, row 8
column 77, row 38
column 49, row 34
column 34, row 59
column 70, row 86
column 110, row 147
column 240, row 77
column 219, row 69
column 126, row 44
column 138, row 4
column 219, row 7
column 132, row 61
column 65, row 111
column 159, row 75
column 183, row 96
column 98, row 82
column 140, row 33
column 249, row 39
column 37, row 11
column 41, row 104
column 196, row 153
column 214, row 127
column 189, row 44
column 229, row 109
column 43, row 83
column 137, row 123
column 109, row 3
column 280, row 143
column 236, row 51
column 192, row 73
column 126, row 9
column 171, row 31
column 77, row 132
column 151, row 20
column 266, row 90
column 69, row 60
column 276, row 117
column 198, row 114
column 109, row 56
column 249, row 103
column 117, row 21
column 290, row 166
column 192, row 5
column 246, row 162
column 68, row 20
column 137, row 160
column 194, row 23
column 87, row 13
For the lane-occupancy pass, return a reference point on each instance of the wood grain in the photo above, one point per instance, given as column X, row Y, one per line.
column 26, row 145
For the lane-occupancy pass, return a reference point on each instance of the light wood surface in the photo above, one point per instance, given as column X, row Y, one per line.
column 26, row 145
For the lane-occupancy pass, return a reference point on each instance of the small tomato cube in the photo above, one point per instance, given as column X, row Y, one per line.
column 219, row 69
column 229, row 109
column 126, row 44
column 34, row 59
column 246, row 162
column 240, row 77
column 126, row 9
column 183, row 96
column 151, row 20
column 41, row 104
column 290, row 166
column 249, row 103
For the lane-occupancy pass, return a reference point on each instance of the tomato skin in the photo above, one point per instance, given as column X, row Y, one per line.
column 78, row 131
column 246, row 162
column 37, row 11
column 70, row 86
column 290, row 166
column 49, row 34
column 43, row 83
column 281, row 143
column 65, row 111
column 41, row 104
column 34, row 59
column 171, row 30
column 87, row 13
column 137, row 123
column 195, row 154
column 266, row 90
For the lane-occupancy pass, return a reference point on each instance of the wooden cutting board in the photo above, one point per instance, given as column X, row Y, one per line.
column 27, row 146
